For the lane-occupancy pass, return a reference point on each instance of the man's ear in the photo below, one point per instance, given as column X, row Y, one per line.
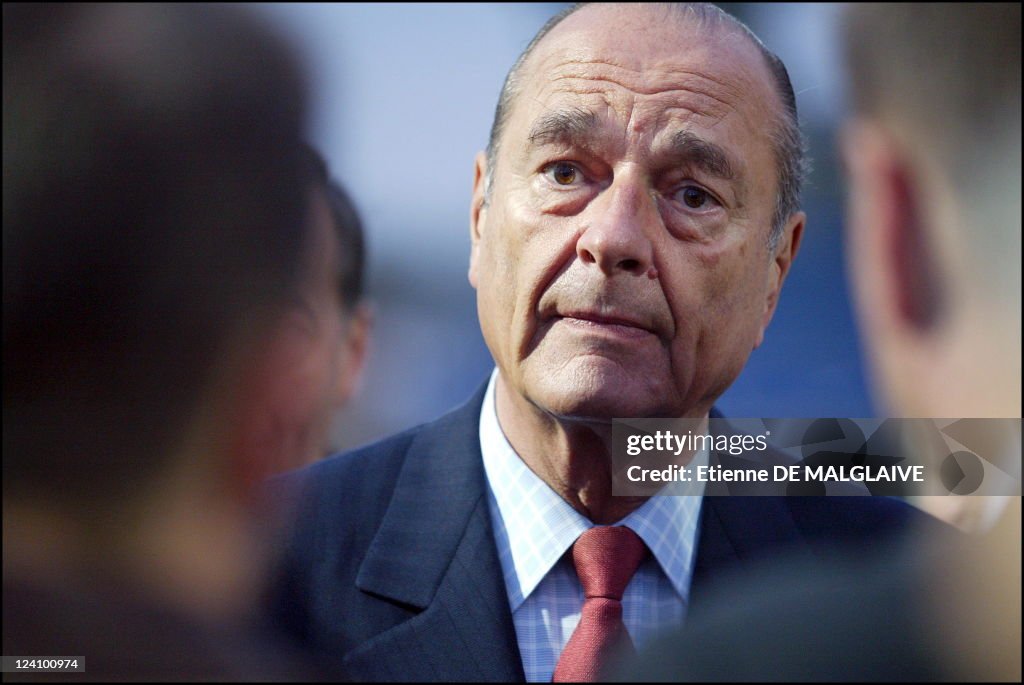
column 477, row 214
column 265, row 440
column 894, row 258
column 782, row 260
column 357, row 345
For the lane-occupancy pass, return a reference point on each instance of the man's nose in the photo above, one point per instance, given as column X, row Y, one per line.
column 615, row 236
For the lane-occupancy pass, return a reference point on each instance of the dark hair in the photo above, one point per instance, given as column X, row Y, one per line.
column 788, row 141
column 946, row 78
column 950, row 72
column 154, row 205
column 349, row 229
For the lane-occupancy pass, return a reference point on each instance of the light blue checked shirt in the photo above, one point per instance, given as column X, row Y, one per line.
column 533, row 528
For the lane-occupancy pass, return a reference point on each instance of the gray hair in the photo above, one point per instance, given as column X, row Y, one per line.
column 788, row 141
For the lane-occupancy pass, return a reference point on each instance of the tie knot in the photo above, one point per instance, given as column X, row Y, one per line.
column 606, row 558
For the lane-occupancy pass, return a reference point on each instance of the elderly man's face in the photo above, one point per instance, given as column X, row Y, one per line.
column 622, row 264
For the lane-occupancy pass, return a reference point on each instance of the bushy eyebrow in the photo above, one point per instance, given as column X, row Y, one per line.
column 690, row 148
column 576, row 127
column 566, row 126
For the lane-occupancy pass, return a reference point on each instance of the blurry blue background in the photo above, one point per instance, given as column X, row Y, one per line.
column 405, row 97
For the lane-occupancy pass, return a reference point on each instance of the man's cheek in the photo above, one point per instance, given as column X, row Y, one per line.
column 732, row 286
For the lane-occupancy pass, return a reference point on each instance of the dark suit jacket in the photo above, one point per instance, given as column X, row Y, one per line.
column 392, row 569
column 124, row 634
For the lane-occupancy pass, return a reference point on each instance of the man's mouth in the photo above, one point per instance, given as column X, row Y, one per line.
column 616, row 324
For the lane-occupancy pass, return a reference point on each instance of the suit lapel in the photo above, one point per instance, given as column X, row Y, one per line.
column 435, row 552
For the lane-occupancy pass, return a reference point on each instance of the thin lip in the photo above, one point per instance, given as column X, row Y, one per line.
column 604, row 319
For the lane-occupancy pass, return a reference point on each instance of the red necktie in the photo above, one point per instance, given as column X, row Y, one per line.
column 605, row 558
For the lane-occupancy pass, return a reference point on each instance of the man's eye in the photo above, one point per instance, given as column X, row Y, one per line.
column 563, row 173
column 694, row 197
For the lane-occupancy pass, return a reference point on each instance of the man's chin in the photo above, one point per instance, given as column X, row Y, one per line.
column 598, row 398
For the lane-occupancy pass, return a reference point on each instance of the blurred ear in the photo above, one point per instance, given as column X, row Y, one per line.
column 893, row 256
column 264, row 440
column 357, row 345
column 785, row 253
column 477, row 214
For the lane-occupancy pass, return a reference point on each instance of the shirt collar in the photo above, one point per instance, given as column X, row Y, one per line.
column 534, row 526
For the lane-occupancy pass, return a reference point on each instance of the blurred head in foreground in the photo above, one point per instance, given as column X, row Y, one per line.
column 332, row 319
column 155, row 234
column 933, row 150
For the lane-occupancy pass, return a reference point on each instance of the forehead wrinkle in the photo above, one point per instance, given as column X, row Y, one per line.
column 672, row 77
column 668, row 91
column 732, row 91
column 681, row 114
column 715, row 107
